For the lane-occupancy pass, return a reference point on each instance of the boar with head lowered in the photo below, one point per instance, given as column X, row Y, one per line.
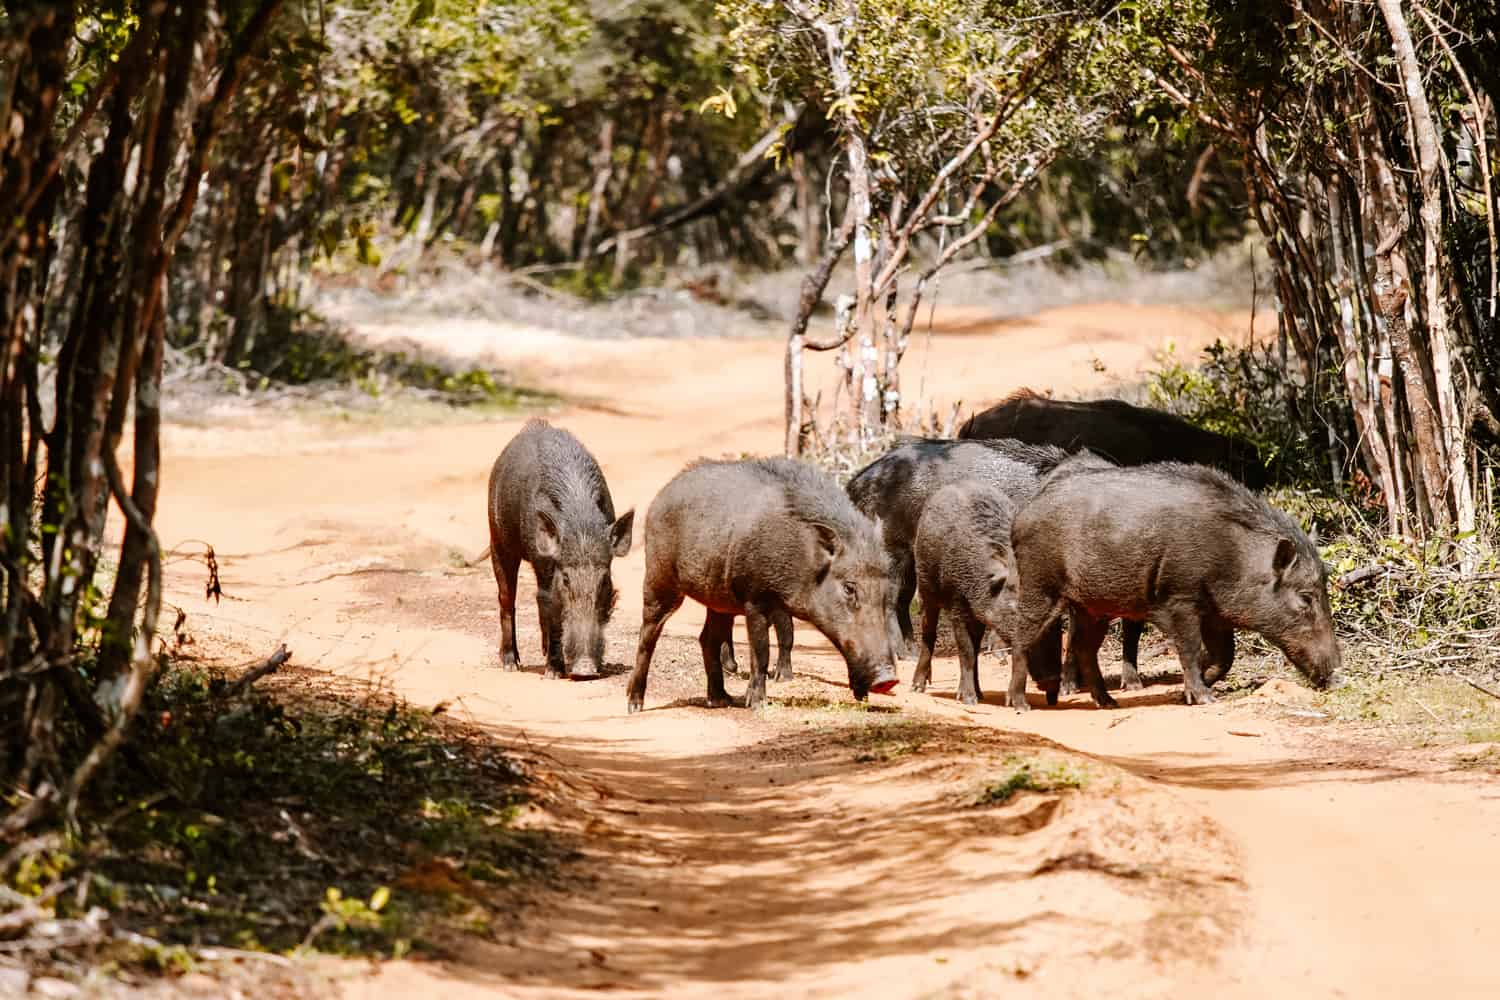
column 549, row 506
column 765, row 538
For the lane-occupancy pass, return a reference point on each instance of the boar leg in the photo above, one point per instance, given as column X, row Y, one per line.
column 552, row 649
column 968, row 633
column 1085, row 637
column 1130, row 639
column 658, row 607
column 1045, row 661
column 758, row 624
column 1184, row 628
column 1035, row 613
column 930, row 612
column 1068, row 683
column 905, row 591
column 726, row 655
column 782, row 622
column 717, row 628
column 1218, row 642
column 505, row 582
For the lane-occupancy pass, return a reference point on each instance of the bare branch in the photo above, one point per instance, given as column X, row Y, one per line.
column 968, row 238
column 743, row 171
column 273, row 663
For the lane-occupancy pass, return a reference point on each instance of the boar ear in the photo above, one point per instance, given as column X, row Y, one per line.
column 1286, row 555
column 827, row 545
column 1312, row 536
column 998, row 576
column 620, row 534
column 547, row 543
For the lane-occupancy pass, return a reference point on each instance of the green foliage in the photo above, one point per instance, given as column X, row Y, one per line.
column 1408, row 602
column 925, row 75
column 1131, row 190
column 264, row 822
column 1032, row 776
column 1246, row 393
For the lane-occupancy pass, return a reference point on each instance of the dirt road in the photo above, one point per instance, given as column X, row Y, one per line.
column 810, row 849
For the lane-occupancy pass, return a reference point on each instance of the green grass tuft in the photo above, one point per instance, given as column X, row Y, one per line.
column 1032, row 776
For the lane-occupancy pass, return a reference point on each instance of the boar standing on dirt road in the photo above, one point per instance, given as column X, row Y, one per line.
column 895, row 486
column 1125, row 435
column 964, row 564
column 549, row 506
column 761, row 538
column 1182, row 546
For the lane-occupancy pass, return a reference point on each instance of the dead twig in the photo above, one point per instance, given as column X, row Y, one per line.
column 273, row 663
column 1480, row 687
column 1423, row 706
column 1354, row 576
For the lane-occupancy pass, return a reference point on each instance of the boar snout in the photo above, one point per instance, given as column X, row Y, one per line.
column 879, row 678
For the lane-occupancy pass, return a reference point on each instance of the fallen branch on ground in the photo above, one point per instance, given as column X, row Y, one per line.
column 273, row 663
column 1480, row 687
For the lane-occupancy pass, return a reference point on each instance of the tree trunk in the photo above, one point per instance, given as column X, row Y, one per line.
column 1455, row 495
column 603, row 170
column 810, row 229
column 814, row 283
column 865, row 364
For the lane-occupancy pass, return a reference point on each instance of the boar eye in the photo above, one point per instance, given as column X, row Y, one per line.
column 850, row 591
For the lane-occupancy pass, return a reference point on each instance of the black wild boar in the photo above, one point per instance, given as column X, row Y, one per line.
column 549, row 506
column 894, row 488
column 1184, row 547
column 761, row 538
column 1116, row 430
column 964, row 564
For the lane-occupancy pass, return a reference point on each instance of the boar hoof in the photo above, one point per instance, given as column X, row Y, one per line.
column 1052, row 696
column 1019, row 704
column 508, row 662
column 919, row 684
column 719, row 701
column 1068, row 687
column 634, row 705
column 1203, row 697
column 1106, row 702
column 555, row 673
column 1132, row 684
column 968, row 697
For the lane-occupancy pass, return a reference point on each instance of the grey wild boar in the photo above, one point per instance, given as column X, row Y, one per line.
column 761, row 538
column 1184, row 547
column 894, row 488
column 549, row 506
column 965, row 565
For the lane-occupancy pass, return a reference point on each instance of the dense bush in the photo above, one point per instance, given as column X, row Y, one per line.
column 1397, row 601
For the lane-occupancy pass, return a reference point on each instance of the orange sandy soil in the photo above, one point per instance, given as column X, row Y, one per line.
column 1230, row 850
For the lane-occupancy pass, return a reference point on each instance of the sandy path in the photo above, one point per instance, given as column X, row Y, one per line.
column 753, row 854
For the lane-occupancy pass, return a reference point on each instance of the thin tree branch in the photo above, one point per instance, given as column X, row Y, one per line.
column 743, row 172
